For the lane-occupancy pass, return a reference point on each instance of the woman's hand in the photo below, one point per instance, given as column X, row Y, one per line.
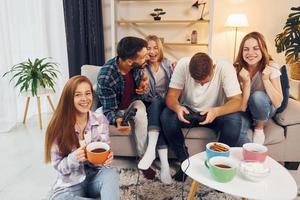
column 110, row 157
column 80, row 154
column 244, row 75
column 266, row 73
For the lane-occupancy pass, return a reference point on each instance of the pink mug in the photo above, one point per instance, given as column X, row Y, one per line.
column 255, row 152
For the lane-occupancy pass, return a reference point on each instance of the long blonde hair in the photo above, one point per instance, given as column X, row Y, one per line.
column 159, row 45
column 61, row 127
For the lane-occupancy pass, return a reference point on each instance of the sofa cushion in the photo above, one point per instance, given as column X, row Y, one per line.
column 200, row 133
column 291, row 115
column 114, row 132
column 273, row 132
column 90, row 71
column 195, row 133
column 285, row 86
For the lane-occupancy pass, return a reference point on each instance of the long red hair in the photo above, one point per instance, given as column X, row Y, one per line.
column 266, row 58
column 61, row 127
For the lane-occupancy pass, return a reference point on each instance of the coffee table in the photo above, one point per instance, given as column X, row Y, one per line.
column 278, row 185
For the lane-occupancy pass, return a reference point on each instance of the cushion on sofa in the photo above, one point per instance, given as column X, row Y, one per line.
column 90, row 71
column 285, row 86
column 200, row 133
column 291, row 115
column 273, row 132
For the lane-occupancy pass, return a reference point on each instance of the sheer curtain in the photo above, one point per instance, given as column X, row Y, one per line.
column 29, row 29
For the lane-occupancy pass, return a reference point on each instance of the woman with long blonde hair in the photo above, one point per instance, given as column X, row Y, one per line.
column 159, row 70
column 71, row 128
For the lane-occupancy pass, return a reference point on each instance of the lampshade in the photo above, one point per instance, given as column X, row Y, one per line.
column 237, row 20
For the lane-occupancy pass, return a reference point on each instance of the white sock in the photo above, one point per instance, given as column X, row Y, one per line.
column 165, row 175
column 149, row 155
column 259, row 136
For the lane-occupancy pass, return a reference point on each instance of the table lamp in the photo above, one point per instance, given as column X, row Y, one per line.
column 235, row 21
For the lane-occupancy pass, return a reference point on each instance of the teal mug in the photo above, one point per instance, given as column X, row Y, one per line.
column 222, row 169
column 217, row 149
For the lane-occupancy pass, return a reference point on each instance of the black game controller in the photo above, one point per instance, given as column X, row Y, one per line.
column 194, row 117
column 128, row 115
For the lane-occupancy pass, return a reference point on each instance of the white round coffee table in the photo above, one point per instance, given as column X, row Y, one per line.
column 278, row 185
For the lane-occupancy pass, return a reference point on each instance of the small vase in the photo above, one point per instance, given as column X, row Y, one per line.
column 157, row 18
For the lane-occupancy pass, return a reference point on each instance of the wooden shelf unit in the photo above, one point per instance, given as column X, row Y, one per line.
column 177, row 22
column 124, row 21
column 184, row 44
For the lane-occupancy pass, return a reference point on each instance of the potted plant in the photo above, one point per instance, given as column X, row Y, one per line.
column 30, row 75
column 157, row 12
column 289, row 41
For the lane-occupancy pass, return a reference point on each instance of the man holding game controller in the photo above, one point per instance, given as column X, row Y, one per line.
column 199, row 87
column 119, row 82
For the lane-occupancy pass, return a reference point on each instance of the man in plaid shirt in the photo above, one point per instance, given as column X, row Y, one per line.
column 119, row 83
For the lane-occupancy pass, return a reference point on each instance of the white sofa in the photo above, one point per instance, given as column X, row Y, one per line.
column 282, row 134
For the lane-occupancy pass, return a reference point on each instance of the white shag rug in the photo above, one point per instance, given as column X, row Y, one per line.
column 156, row 190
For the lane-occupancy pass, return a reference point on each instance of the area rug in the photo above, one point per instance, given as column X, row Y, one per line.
column 155, row 190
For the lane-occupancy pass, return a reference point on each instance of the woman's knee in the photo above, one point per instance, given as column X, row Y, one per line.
column 260, row 105
column 259, row 98
column 110, row 174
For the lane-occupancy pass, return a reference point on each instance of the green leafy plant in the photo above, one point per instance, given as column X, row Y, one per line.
column 289, row 39
column 29, row 75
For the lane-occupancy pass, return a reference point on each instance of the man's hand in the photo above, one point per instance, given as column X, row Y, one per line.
column 144, row 84
column 266, row 73
column 181, row 110
column 126, row 130
column 244, row 75
column 211, row 114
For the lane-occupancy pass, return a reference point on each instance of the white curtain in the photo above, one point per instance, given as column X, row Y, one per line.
column 29, row 29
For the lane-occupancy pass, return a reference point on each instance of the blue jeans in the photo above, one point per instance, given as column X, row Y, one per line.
column 154, row 110
column 228, row 125
column 103, row 183
column 259, row 108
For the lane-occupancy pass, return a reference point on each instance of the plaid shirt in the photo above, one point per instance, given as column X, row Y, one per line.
column 110, row 87
column 70, row 171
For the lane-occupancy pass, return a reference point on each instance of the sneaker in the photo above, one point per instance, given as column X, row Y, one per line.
column 149, row 173
column 180, row 176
